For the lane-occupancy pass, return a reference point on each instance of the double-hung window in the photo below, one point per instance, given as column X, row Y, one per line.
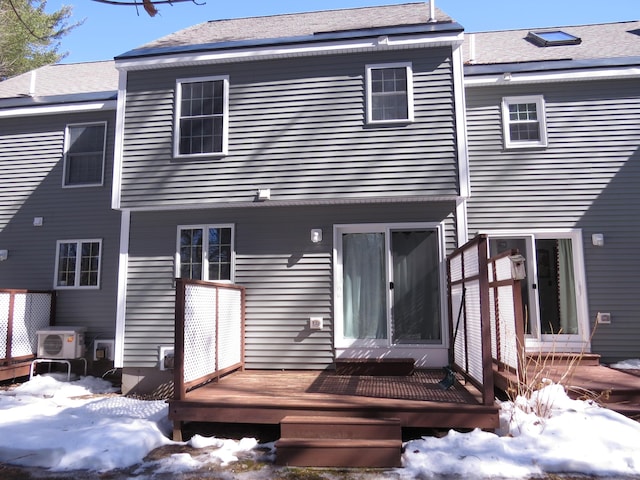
column 205, row 252
column 201, row 117
column 78, row 263
column 84, row 154
column 389, row 93
column 524, row 124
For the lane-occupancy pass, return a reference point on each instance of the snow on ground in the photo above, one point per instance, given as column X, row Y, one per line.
column 82, row 425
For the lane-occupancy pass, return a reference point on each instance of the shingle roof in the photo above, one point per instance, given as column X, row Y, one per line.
column 600, row 41
column 63, row 79
column 298, row 25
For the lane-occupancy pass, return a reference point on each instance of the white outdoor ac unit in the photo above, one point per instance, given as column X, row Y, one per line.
column 61, row 342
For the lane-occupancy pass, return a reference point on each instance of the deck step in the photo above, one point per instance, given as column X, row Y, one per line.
column 314, row 441
column 557, row 359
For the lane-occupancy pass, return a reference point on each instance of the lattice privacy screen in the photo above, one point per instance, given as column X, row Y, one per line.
column 199, row 332
column 212, row 330
column 31, row 312
column 504, row 340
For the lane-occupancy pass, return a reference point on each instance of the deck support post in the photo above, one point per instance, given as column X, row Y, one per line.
column 177, row 431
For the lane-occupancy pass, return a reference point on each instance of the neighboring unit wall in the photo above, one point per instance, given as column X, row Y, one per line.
column 298, row 127
column 31, row 166
column 288, row 278
column 586, row 178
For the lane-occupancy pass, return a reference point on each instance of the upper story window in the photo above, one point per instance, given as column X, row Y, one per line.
column 84, row 152
column 201, row 116
column 524, row 124
column 205, row 252
column 78, row 263
column 389, row 93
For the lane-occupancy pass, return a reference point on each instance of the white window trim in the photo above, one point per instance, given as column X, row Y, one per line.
column 225, row 116
column 410, row 107
column 205, row 260
column 66, row 149
column 542, row 122
column 79, row 243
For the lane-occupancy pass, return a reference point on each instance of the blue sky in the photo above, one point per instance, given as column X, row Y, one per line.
column 111, row 30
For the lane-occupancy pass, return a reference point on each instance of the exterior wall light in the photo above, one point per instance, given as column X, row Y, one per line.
column 316, row 235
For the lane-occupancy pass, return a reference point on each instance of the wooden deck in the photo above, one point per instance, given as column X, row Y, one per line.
column 266, row 397
column 618, row 390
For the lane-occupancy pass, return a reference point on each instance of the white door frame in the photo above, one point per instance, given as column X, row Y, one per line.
column 537, row 342
column 424, row 354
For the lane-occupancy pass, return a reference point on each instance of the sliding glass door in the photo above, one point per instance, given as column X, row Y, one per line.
column 389, row 285
column 553, row 291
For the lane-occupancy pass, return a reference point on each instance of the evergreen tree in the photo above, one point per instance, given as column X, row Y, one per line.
column 29, row 36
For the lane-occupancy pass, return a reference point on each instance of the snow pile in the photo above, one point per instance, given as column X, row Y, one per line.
column 77, row 425
column 632, row 364
column 573, row 436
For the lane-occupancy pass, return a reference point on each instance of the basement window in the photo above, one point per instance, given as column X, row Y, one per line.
column 553, row 38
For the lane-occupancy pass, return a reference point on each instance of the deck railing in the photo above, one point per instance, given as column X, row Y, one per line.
column 209, row 335
column 470, row 327
column 507, row 322
column 22, row 314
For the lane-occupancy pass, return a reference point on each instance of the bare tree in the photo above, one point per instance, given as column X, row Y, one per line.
column 148, row 5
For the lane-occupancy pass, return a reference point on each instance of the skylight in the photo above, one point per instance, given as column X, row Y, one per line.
column 552, row 38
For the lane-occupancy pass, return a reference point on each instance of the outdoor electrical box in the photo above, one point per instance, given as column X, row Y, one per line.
column 315, row 323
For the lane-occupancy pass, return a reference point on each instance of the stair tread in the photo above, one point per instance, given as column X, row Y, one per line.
column 317, row 419
column 336, row 443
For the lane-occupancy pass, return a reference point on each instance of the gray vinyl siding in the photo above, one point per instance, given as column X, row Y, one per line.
column 31, row 166
column 586, row 178
column 296, row 126
column 288, row 279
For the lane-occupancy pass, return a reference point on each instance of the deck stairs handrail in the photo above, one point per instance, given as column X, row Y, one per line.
column 209, row 332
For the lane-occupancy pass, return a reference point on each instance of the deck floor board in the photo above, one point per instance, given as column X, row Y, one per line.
column 260, row 396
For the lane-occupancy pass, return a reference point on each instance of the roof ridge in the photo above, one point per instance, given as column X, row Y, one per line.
column 315, row 12
column 523, row 29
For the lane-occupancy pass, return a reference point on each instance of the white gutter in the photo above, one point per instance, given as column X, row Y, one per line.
column 118, row 146
column 385, row 42
column 515, row 78
column 57, row 109
column 121, row 301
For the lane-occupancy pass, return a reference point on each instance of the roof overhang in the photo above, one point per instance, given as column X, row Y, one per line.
column 551, row 71
column 428, row 35
column 57, row 104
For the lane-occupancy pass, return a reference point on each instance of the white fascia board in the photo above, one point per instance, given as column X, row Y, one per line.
column 118, row 147
column 461, row 123
column 517, row 78
column 382, row 42
column 296, row 203
column 58, row 109
column 121, row 301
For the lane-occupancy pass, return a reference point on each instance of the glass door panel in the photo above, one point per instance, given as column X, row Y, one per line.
column 549, row 290
column 415, row 287
column 364, row 286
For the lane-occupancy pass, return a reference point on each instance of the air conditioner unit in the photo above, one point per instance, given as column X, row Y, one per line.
column 61, row 342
